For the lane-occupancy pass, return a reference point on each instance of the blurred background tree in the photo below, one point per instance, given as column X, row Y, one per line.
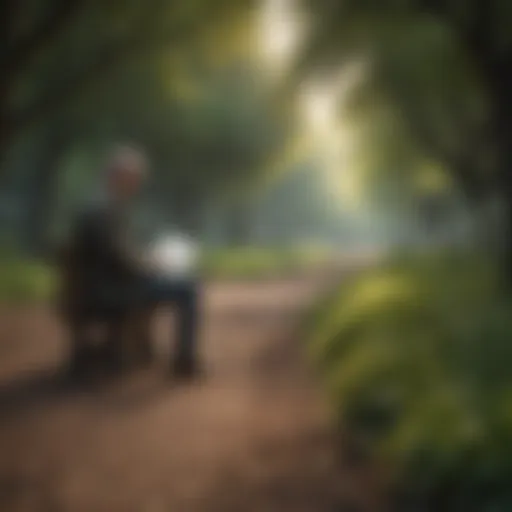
column 53, row 51
column 81, row 76
column 444, row 69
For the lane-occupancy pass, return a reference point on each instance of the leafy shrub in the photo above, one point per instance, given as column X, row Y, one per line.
column 417, row 359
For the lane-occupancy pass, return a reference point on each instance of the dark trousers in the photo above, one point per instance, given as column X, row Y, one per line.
column 183, row 294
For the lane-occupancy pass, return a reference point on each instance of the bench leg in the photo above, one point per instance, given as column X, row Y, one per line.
column 85, row 356
column 141, row 336
column 129, row 344
column 81, row 355
column 115, row 353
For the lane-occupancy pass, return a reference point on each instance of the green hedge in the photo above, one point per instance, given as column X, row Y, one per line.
column 417, row 360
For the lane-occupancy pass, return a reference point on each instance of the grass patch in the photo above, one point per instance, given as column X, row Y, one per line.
column 257, row 263
column 25, row 281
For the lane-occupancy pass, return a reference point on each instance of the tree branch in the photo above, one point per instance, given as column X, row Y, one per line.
column 57, row 19
column 53, row 98
column 142, row 39
column 105, row 62
column 476, row 35
column 463, row 166
column 435, row 8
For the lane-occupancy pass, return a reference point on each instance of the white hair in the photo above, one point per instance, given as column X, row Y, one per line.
column 127, row 159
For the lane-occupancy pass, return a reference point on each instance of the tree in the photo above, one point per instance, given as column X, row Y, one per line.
column 52, row 51
column 447, row 66
column 56, row 95
column 211, row 143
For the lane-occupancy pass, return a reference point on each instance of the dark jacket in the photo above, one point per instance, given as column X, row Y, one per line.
column 102, row 252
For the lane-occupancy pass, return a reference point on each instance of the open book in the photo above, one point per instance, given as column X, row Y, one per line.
column 174, row 255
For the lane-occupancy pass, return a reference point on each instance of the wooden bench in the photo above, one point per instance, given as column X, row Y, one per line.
column 106, row 335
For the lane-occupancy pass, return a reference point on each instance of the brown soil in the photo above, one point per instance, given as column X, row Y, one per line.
column 252, row 436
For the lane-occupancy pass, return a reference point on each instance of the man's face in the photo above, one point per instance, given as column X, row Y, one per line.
column 127, row 182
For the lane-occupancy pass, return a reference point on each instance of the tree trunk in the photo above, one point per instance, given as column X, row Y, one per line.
column 43, row 191
column 507, row 235
column 5, row 17
column 501, row 85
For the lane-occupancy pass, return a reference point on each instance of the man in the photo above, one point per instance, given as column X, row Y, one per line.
column 116, row 277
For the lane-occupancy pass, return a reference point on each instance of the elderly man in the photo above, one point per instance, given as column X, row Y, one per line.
column 115, row 275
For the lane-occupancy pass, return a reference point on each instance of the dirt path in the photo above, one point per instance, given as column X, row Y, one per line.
column 252, row 437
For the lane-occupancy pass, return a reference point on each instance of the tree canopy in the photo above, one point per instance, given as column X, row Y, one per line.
column 424, row 60
column 52, row 51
